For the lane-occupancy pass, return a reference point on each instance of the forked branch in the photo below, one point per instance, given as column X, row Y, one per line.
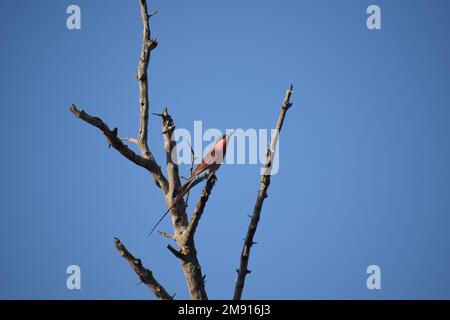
column 115, row 142
column 184, row 230
column 168, row 128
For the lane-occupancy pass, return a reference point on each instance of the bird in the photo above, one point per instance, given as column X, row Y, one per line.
column 210, row 163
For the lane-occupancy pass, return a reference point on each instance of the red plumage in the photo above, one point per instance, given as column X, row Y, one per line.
column 210, row 163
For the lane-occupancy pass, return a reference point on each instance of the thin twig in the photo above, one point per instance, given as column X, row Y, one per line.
column 167, row 235
column 132, row 140
column 262, row 194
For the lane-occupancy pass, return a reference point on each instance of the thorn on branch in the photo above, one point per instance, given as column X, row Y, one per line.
column 287, row 102
column 246, row 271
column 152, row 44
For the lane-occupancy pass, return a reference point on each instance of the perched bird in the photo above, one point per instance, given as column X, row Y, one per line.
column 210, row 163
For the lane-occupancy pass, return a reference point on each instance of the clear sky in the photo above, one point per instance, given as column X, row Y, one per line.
column 364, row 155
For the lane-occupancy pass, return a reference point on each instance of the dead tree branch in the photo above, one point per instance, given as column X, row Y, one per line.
column 116, row 143
column 143, row 273
column 177, row 213
column 262, row 194
column 184, row 230
column 187, row 253
column 148, row 45
column 190, row 264
column 198, row 212
column 131, row 140
column 168, row 127
column 176, row 253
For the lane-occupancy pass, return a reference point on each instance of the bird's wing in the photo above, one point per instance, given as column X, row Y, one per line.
column 184, row 189
column 199, row 169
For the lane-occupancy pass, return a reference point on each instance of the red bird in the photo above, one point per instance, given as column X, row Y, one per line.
column 210, row 164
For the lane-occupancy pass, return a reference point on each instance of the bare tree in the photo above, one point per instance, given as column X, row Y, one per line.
column 184, row 228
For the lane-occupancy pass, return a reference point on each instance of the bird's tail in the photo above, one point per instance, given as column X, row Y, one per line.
column 153, row 229
column 192, row 181
column 181, row 192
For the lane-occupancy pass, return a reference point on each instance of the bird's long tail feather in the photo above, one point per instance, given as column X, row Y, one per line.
column 181, row 192
column 153, row 229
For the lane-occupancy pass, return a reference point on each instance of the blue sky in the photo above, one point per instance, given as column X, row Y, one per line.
column 364, row 176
